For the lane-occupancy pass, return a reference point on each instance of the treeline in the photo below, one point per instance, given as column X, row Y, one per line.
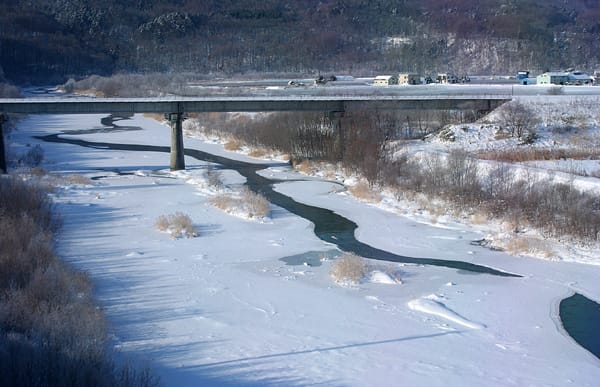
column 370, row 144
column 51, row 41
column 51, row 331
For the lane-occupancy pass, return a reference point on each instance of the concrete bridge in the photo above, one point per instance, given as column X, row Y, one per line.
column 175, row 107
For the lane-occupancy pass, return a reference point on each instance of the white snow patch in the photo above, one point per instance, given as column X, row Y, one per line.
column 380, row 277
column 430, row 305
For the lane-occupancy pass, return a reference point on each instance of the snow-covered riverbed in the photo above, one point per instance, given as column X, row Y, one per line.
column 223, row 309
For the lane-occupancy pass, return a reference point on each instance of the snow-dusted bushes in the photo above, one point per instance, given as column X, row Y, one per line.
column 178, row 225
column 454, row 176
column 246, row 204
column 51, row 332
column 518, row 118
column 556, row 208
column 348, row 268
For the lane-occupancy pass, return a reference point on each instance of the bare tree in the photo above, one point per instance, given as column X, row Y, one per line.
column 518, row 118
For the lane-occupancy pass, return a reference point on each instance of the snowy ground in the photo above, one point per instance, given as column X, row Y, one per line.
column 224, row 309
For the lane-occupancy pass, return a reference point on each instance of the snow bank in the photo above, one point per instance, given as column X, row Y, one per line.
column 380, row 277
column 430, row 305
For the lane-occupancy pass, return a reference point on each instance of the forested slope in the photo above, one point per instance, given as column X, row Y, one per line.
column 52, row 40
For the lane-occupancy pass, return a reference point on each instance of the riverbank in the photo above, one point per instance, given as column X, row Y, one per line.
column 224, row 309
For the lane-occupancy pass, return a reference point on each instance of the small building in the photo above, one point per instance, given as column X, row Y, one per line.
column 580, row 78
column 409, row 79
column 553, row 78
column 385, row 80
column 446, row 78
column 523, row 77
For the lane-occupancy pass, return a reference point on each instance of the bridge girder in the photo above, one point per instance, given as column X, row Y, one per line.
column 239, row 104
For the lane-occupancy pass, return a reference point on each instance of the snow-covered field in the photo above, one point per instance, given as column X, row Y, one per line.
column 223, row 308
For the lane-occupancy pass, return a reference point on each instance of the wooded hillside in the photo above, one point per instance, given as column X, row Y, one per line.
column 49, row 41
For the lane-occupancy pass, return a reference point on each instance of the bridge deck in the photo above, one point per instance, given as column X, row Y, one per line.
column 53, row 105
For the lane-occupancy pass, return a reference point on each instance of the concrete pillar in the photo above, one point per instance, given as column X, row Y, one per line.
column 3, row 168
column 177, row 150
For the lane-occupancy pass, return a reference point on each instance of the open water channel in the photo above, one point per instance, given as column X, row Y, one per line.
column 579, row 315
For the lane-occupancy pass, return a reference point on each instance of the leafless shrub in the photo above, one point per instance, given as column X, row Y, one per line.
column 462, row 174
column 25, row 199
column 517, row 118
column 557, row 209
column 349, row 268
column 177, row 224
column 51, row 333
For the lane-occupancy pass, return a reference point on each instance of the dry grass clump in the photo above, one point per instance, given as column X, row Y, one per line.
column 363, row 191
column 478, row 218
column 258, row 153
column 304, row 166
column 518, row 244
column 537, row 154
column 248, row 204
column 51, row 333
column 178, row 225
column 529, row 245
column 38, row 172
column 233, row 144
column 255, row 204
column 223, row 202
column 348, row 269
column 78, row 179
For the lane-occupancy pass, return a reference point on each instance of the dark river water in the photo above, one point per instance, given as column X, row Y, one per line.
column 579, row 315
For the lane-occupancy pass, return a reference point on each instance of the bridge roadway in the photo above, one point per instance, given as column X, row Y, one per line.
column 176, row 107
column 55, row 105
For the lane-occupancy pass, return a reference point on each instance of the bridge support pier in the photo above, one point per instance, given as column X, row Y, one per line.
column 2, row 150
column 177, row 150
